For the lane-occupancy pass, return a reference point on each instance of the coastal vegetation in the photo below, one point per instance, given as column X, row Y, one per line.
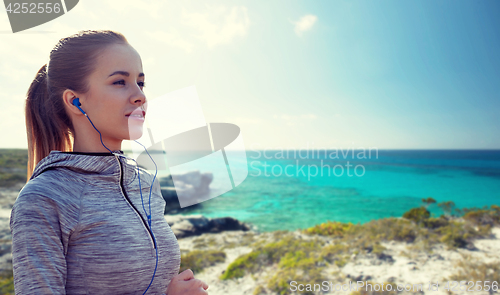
column 294, row 258
column 197, row 260
column 6, row 283
column 13, row 165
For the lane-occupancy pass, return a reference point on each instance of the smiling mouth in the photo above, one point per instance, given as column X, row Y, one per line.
column 136, row 116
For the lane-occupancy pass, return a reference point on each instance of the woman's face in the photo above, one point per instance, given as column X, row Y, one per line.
column 116, row 91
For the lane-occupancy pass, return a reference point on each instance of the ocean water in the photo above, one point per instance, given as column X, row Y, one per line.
column 309, row 187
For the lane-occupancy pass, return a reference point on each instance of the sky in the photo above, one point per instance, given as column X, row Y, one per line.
column 297, row 74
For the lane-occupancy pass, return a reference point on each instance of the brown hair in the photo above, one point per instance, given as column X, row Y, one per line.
column 71, row 62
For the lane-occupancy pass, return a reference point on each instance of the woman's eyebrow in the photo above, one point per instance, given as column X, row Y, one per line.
column 124, row 73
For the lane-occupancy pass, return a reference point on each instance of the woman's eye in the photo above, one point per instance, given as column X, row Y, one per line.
column 122, row 82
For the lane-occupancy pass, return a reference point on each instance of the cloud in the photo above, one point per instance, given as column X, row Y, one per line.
column 136, row 9
column 213, row 26
column 244, row 120
column 292, row 120
column 308, row 116
column 172, row 38
column 305, row 23
column 218, row 25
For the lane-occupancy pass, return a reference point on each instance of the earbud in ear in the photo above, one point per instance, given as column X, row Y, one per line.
column 76, row 103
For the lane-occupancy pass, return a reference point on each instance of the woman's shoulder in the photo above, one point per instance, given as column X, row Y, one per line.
column 46, row 203
column 51, row 186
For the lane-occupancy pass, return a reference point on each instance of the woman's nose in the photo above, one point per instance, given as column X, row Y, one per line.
column 139, row 97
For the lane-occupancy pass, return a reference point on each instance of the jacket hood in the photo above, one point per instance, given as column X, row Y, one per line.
column 102, row 164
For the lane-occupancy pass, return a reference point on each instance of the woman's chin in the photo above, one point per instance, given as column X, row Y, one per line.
column 135, row 132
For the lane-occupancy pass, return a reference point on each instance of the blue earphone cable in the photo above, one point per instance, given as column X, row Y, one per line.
column 140, row 190
column 149, row 216
column 156, row 168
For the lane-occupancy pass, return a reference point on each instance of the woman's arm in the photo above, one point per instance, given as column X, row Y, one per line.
column 38, row 252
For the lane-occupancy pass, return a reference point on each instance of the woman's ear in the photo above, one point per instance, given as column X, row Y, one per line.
column 68, row 97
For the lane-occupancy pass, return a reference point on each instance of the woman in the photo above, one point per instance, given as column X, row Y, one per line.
column 78, row 225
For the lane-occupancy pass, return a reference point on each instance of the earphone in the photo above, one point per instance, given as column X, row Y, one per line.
column 76, row 102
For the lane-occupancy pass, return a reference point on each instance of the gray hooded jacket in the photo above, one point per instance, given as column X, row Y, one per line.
column 78, row 227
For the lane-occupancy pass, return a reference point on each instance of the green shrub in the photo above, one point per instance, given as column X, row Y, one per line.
column 198, row 260
column 458, row 234
column 433, row 223
column 14, row 158
column 7, row 283
column 352, row 239
column 418, row 215
column 296, row 260
column 447, row 207
column 9, row 179
column 389, row 229
column 13, row 165
column 331, row 228
column 416, row 227
column 483, row 216
column 429, row 201
column 247, row 263
column 335, row 252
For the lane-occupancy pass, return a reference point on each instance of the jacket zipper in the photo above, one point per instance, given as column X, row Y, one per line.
column 128, row 200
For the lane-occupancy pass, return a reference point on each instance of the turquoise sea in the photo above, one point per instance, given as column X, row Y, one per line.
column 352, row 186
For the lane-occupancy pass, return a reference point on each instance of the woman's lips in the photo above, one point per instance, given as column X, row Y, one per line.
column 138, row 117
column 138, row 111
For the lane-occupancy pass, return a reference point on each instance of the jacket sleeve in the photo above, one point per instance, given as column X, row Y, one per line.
column 38, row 251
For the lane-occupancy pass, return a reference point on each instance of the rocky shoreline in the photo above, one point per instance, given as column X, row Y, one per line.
column 195, row 225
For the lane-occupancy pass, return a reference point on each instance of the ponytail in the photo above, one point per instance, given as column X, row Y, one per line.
column 46, row 130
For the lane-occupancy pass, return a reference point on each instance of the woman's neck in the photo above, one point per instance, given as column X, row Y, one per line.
column 92, row 147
